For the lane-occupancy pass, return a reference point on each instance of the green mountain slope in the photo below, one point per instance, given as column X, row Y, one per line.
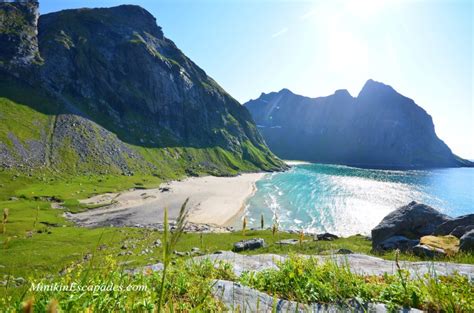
column 112, row 95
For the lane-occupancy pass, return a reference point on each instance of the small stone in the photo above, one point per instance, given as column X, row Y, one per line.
column 325, row 237
column 20, row 280
column 344, row 251
column 287, row 242
column 178, row 253
column 251, row 244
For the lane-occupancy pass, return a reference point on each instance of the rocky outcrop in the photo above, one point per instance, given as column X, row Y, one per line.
column 379, row 128
column 18, row 35
column 120, row 97
column 358, row 263
column 239, row 298
column 412, row 221
column 467, row 242
column 458, row 226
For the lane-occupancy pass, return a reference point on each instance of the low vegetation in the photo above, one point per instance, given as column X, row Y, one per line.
column 307, row 280
column 38, row 245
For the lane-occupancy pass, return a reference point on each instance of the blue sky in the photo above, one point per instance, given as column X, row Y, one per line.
column 422, row 48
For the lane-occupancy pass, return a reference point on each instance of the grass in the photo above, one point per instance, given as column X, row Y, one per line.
column 306, row 280
column 187, row 288
column 39, row 243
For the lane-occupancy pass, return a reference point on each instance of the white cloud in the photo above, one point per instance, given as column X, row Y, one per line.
column 280, row 32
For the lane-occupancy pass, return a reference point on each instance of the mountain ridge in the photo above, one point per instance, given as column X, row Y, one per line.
column 379, row 128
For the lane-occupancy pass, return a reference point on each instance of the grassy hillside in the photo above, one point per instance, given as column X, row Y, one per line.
column 39, row 136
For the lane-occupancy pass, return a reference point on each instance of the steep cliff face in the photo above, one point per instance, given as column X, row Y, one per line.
column 18, row 31
column 115, row 95
column 379, row 128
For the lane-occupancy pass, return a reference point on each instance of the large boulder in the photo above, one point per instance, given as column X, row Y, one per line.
column 467, row 242
column 461, row 224
column 412, row 221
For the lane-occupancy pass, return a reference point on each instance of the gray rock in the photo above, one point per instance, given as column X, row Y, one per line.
column 287, row 242
column 398, row 242
column 427, row 251
column 325, row 236
column 239, row 298
column 412, row 221
column 467, row 242
column 250, row 244
column 87, row 256
column 359, row 263
column 179, row 253
column 461, row 230
column 157, row 243
column 448, row 227
column 20, row 281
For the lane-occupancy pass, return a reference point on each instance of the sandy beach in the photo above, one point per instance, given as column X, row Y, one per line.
column 212, row 200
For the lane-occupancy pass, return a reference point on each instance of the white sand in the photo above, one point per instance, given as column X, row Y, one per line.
column 212, row 200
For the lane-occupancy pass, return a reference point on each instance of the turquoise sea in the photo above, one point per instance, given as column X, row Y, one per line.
column 346, row 200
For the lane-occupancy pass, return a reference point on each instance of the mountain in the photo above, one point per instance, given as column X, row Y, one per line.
column 104, row 91
column 379, row 128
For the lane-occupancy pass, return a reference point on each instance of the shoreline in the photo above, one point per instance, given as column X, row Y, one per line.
column 233, row 220
column 213, row 201
column 295, row 162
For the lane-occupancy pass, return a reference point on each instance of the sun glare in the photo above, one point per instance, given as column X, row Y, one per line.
column 365, row 8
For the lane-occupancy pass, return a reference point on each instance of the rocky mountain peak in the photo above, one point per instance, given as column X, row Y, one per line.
column 373, row 88
column 286, row 91
column 342, row 93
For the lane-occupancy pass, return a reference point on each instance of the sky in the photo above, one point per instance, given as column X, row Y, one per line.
column 422, row 48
